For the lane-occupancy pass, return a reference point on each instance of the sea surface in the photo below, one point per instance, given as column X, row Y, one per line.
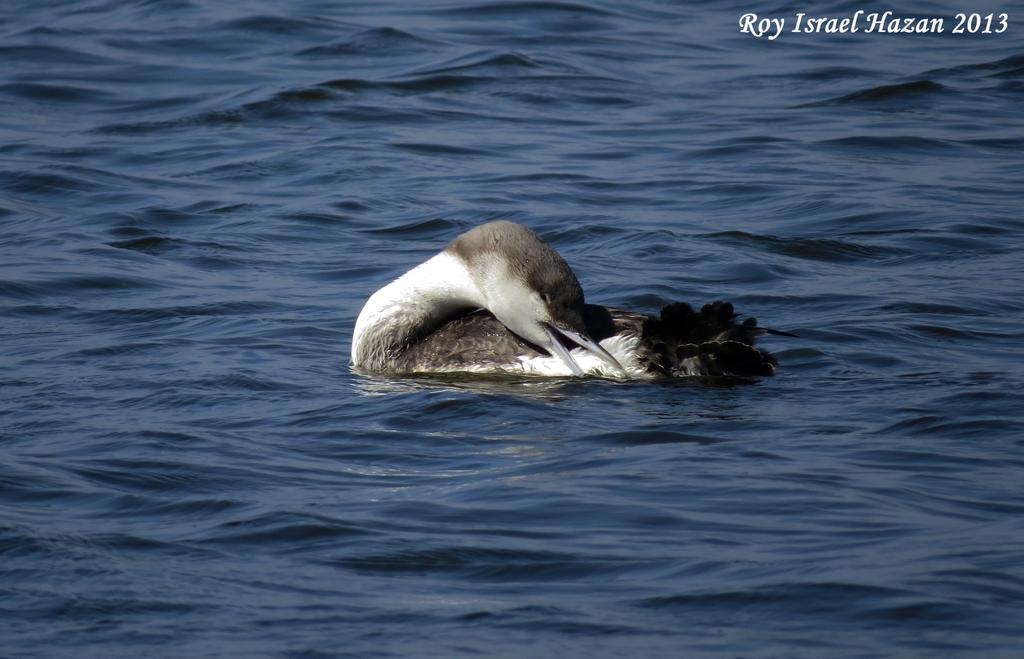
column 197, row 197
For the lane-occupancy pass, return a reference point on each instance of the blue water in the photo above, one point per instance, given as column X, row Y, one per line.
column 197, row 197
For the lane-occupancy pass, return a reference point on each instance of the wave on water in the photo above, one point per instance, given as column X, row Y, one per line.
column 197, row 198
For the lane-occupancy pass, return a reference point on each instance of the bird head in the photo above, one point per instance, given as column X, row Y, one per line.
column 530, row 288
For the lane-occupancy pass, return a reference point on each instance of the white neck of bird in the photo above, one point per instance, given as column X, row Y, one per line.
column 410, row 306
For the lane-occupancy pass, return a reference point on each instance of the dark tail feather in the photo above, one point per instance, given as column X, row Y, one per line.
column 708, row 342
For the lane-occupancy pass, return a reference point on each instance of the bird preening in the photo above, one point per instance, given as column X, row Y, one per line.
column 498, row 299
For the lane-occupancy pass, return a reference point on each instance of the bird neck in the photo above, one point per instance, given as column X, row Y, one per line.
column 410, row 307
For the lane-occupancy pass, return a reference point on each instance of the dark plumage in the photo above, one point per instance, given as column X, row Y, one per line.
column 679, row 342
column 709, row 342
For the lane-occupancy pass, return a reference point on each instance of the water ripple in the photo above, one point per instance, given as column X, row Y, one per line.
column 198, row 197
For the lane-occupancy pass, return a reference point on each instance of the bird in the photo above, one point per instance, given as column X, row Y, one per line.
column 499, row 300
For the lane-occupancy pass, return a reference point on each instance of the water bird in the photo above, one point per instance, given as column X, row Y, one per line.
column 499, row 300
